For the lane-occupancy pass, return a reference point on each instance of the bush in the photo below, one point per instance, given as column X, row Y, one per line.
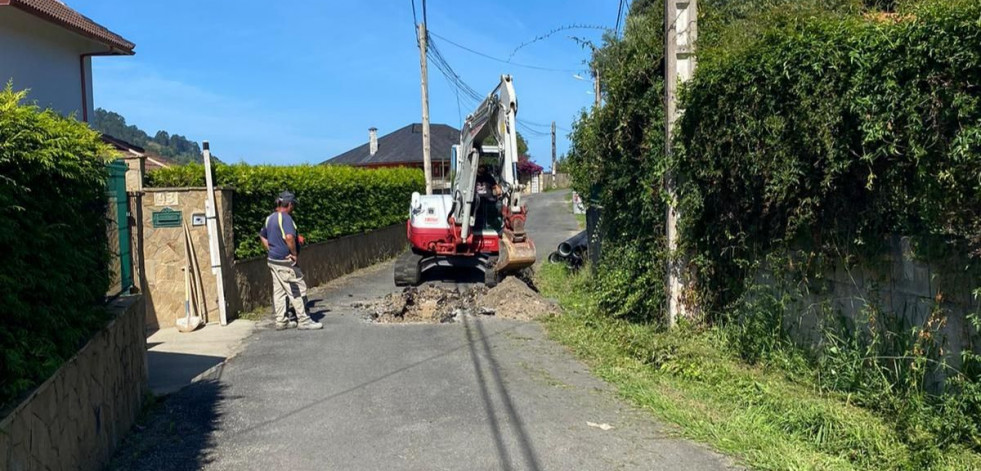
column 838, row 132
column 812, row 132
column 55, row 273
column 332, row 200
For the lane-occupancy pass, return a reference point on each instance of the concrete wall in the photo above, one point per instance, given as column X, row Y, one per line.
column 75, row 419
column 559, row 180
column 906, row 291
column 163, row 253
column 46, row 59
column 320, row 262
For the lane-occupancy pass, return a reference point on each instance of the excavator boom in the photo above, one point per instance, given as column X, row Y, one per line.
column 494, row 121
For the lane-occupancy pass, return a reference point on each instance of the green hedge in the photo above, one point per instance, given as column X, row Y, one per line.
column 814, row 125
column 837, row 132
column 333, row 200
column 54, row 272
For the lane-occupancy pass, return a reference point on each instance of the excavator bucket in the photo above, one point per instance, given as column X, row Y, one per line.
column 514, row 256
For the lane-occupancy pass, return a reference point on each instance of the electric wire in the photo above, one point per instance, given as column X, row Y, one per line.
column 552, row 32
column 616, row 30
column 503, row 61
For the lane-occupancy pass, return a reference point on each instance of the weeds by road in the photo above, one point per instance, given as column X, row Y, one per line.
column 766, row 417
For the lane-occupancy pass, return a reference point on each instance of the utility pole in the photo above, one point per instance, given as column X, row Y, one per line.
column 680, row 34
column 553, row 153
column 596, row 88
column 423, row 48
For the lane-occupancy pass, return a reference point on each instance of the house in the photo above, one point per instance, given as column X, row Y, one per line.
column 403, row 148
column 47, row 47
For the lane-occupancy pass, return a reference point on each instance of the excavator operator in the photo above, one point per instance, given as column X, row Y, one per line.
column 489, row 208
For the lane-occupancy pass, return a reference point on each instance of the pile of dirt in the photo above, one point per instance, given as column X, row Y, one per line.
column 511, row 299
column 514, row 299
column 430, row 303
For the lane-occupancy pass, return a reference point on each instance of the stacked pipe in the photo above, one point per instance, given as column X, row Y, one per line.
column 571, row 251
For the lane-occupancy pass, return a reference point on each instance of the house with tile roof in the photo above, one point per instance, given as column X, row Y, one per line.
column 47, row 47
column 403, row 148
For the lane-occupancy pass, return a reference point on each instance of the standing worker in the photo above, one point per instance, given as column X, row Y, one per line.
column 280, row 239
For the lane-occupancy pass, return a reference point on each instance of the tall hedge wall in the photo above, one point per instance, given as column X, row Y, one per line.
column 54, row 272
column 813, row 130
column 332, row 200
column 835, row 131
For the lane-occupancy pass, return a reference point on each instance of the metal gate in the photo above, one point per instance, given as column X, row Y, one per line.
column 117, row 226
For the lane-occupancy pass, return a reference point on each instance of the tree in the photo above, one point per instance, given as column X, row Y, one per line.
column 162, row 138
column 522, row 144
column 527, row 167
column 172, row 146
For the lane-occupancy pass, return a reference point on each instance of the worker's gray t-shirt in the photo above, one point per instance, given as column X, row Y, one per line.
column 278, row 226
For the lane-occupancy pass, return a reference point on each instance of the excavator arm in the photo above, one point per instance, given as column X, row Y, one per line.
column 490, row 132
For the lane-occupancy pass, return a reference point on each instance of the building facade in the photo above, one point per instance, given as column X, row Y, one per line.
column 47, row 47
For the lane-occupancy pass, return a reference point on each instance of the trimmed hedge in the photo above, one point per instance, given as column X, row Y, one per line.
column 333, row 201
column 54, row 273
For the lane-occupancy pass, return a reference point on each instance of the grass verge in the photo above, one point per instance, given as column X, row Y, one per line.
column 762, row 416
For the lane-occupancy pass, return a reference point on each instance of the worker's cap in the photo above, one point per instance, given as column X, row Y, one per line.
column 286, row 198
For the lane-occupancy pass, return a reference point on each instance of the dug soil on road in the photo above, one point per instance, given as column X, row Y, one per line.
column 479, row 392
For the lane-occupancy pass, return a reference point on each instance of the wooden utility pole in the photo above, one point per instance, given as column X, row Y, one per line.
column 680, row 34
column 426, row 159
column 553, row 153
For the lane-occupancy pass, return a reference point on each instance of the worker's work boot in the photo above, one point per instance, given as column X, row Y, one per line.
column 291, row 324
column 309, row 324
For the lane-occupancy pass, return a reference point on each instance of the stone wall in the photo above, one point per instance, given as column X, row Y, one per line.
column 75, row 419
column 321, row 262
column 164, row 259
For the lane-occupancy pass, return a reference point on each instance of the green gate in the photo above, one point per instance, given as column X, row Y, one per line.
column 118, row 230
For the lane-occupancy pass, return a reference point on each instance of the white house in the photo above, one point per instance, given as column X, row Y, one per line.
column 48, row 47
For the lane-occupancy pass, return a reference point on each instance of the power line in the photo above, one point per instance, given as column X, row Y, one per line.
column 415, row 21
column 503, row 61
column 452, row 76
column 554, row 31
column 541, row 125
column 532, row 131
column 616, row 31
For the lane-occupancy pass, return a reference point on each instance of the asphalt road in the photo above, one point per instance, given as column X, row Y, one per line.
column 483, row 394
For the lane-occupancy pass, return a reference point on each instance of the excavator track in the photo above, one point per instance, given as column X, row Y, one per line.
column 408, row 271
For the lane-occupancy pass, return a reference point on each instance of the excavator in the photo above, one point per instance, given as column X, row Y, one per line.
column 474, row 227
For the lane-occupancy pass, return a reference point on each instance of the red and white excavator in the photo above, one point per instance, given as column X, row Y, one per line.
column 468, row 229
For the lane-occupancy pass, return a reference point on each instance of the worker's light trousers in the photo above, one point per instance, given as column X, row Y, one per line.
column 288, row 283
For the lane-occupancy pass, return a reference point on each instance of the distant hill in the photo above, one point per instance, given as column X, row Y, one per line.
column 175, row 147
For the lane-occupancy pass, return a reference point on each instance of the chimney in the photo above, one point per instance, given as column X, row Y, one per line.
column 372, row 140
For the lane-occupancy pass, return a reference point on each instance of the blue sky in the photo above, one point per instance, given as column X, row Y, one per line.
column 301, row 81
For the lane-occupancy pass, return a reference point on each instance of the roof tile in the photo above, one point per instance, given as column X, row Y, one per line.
column 403, row 146
column 60, row 14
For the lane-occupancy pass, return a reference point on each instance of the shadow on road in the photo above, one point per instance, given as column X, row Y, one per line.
column 170, row 371
column 527, row 450
column 175, row 434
